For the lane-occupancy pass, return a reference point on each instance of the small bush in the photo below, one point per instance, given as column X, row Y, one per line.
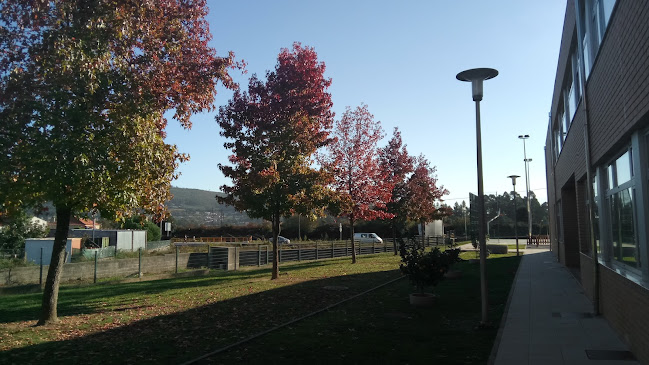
column 425, row 268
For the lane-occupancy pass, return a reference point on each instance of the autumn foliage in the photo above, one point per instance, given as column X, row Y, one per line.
column 274, row 130
column 359, row 179
column 84, row 87
column 398, row 164
column 423, row 194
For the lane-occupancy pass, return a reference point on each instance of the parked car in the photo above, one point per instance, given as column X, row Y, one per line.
column 367, row 238
column 281, row 240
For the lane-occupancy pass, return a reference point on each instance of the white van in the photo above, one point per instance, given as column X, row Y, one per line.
column 367, row 238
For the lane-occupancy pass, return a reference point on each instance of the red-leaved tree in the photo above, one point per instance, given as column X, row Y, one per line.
column 422, row 195
column 84, row 87
column 359, row 180
column 275, row 128
column 395, row 160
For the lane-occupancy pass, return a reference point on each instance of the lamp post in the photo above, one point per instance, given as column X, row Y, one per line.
column 527, row 188
column 476, row 76
column 513, row 177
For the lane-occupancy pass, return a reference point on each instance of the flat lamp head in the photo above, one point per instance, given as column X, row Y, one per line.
column 513, row 177
column 476, row 76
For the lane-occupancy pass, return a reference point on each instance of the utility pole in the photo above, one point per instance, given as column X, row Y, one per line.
column 513, row 177
column 527, row 188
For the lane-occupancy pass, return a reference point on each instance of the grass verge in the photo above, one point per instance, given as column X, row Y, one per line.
column 383, row 328
column 175, row 320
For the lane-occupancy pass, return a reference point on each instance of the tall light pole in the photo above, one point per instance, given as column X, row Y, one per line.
column 527, row 188
column 476, row 76
column 513, row 177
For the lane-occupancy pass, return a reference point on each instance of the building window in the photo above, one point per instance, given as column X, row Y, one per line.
column 572, row 103
column 595, row 16
column 623, row 237
column 607, row 10
column 622, row 211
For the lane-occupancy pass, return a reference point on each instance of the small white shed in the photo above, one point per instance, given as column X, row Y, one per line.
column 33, row 249
column 434, row 228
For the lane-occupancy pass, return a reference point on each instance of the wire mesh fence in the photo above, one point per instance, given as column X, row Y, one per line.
column 164, row 257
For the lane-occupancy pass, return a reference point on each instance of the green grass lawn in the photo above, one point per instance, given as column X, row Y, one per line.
column 175, row 320
column 383, row 328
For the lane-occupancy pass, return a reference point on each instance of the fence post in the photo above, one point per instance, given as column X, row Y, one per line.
column 299, row 253
column 209, row 257
column 259, row 255
column 373, row 247
column 139, row 262
column 346, row 248
column 279, row 254
column 115, row 250
column 95, row 276
column 176, row 259
column 40, row 279
column 332, row 249
column 316, row 250
column 266, row 254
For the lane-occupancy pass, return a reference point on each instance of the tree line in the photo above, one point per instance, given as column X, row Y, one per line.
column 500, row 211
column 85, row 90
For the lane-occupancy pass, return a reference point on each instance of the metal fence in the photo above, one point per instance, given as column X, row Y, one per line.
column 202, row 256
column 158, row 245
column 263, row 254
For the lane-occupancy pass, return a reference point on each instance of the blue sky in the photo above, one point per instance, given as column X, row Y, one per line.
column 401, row 58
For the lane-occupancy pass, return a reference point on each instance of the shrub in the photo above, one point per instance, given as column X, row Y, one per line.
column 425, row 268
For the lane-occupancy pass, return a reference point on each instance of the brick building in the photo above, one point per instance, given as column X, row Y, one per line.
column 597, row 150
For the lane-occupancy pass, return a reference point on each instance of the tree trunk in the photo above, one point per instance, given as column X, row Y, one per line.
column 423, row 234
column 51, row 290
column 351, row 224
column 394, row 237
column 275, row 226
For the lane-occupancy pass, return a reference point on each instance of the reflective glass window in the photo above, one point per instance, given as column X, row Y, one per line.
column 625, row 248
column 623, row 167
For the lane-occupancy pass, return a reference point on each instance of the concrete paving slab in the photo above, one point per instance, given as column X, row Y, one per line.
column 549, row 319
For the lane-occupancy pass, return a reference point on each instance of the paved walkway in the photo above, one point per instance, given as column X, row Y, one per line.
column 549, row 319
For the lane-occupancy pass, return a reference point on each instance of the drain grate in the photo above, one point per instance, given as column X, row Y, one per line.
column 610, row 355
column 572, row 315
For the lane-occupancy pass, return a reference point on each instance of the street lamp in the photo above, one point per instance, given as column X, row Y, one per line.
column 476, row 76
column 527, row 188
column 513, row 177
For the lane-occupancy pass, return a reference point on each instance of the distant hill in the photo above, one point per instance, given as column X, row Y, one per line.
column 194, row 207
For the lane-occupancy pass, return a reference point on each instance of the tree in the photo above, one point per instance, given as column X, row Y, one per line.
column 84, row 86
column 359, row 180
column 395, row 160
column 276, row 128
column 153, row 232
column 16, row 228
column 423, row 193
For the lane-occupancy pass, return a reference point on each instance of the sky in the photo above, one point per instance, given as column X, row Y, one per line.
column 401, row 59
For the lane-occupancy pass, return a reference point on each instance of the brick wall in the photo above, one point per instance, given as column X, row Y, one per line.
column 570, row 247
column 624, row 304
column 618, row 87
column 586, row 269
column 583, row 217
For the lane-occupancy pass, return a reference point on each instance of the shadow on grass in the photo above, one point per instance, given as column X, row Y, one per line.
column 383, row 328
column 181, row 336
column 84, row 299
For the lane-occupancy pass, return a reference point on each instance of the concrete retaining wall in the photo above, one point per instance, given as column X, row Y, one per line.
column 105, row 268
